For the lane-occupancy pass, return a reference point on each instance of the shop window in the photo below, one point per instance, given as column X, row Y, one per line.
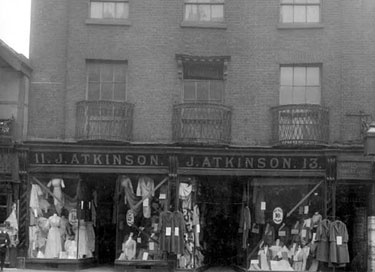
column 203, row 82
column 106, row 80
column 300, row 11
column 204, row 10
column 111, row 9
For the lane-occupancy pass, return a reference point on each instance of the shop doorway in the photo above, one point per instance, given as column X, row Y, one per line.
column 102, row 186
column 220, row 201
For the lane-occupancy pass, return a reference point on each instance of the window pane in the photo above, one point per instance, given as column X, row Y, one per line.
column 189, row 91
column 109, row 10
column 93, row 92
column 190, row 1
column 313, row 76
column 217, row 1
column 287, row 14
column 96, row 10
column 313, row 1
column 286, row 76
column 119, row 91
column 120, row 73
column 202, row 91
column 286, row 95
column 300, row 1
column 299, row 76
column 191, row 12
column 217, row 13
column 299, row 95
column 107, row 72
column 94, row 72
column 216, row 90
column 204, row 12
column 122, row 10
column 299, row 14
column 106, row 91
column 313, row 14
column 313, row 95
column 286, row 1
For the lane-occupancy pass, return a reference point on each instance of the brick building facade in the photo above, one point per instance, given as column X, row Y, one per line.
column 289, row 82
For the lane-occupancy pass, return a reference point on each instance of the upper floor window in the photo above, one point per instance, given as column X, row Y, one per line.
column 203, row 82
column 300, row 85
column 106, row 80
column 300, row 11
column 204, row 10
column 109, row 9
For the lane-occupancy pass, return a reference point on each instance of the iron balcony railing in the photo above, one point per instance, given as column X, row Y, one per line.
column 7, row 129
column 104, row 120
column 202, row 123
column 304, row 124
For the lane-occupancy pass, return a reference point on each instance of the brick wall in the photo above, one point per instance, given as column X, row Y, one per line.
column 344, row 47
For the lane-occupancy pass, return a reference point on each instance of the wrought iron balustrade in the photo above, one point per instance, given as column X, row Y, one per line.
column 202, row 123
column 304, row 124
column 7, row 127
column 104, row 120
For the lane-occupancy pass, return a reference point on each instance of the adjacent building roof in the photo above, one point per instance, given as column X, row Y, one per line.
column 9, row 57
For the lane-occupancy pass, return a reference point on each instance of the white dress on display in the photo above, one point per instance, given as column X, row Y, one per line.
column 57, row 184
column 53, row 245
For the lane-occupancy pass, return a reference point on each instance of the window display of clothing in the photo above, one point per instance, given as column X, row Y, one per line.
column 245, row 225
column 259, row 211
column 165, row 230
column 35, row 193
column 70, row 247
column 178, row 233
column 57, row 184
column 53, row 245
column 146, row 188
column 130, row 248
column 91, row 236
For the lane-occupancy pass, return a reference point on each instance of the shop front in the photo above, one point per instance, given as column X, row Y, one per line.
column 181, row 209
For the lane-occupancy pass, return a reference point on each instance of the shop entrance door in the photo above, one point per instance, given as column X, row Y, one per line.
column 220, row 199
column 104, row 187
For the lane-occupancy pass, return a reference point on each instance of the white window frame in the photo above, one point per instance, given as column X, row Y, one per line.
column 293, row 86
column 103, row 2
column 297, row 4
column 196, row 100
column 198, row 3
column 100, row 82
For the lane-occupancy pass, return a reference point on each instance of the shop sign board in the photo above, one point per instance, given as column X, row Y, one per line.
column 189, row 161
column 99, row 159
column 253, row 162
column 354, row 170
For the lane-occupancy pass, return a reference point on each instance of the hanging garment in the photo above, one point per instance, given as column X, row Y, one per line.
column 284, row 234
column 70, row 247
column 93, row 212
column 91, row 236
column 264, row 259
column 32, row 241
column 298, row 260
column 322, row 240
column 196, row 225
column 63, row 229
column 165, row 230
column 178, row 233
column 259, row 213
column 185, row 190
column 269, row 235
column 83, row 241
column 146, row 188
column 12, row 218
column 35, row 193
column 245, row 225
column 163, row 193
column 57, row 184
column 338, row 238
column 305, row 231
column 53, row 245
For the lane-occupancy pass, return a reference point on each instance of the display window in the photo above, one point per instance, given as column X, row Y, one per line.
column 62, row 218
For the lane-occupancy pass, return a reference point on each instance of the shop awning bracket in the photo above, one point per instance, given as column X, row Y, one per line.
column 304, row 198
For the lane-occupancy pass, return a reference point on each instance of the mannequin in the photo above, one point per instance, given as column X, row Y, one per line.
column 57, row 184
column 130, row 248
column 53, row 245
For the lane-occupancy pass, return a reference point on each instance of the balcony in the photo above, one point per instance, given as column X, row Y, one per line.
column 196, row 123
column 104, row 120
column 304, row 124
